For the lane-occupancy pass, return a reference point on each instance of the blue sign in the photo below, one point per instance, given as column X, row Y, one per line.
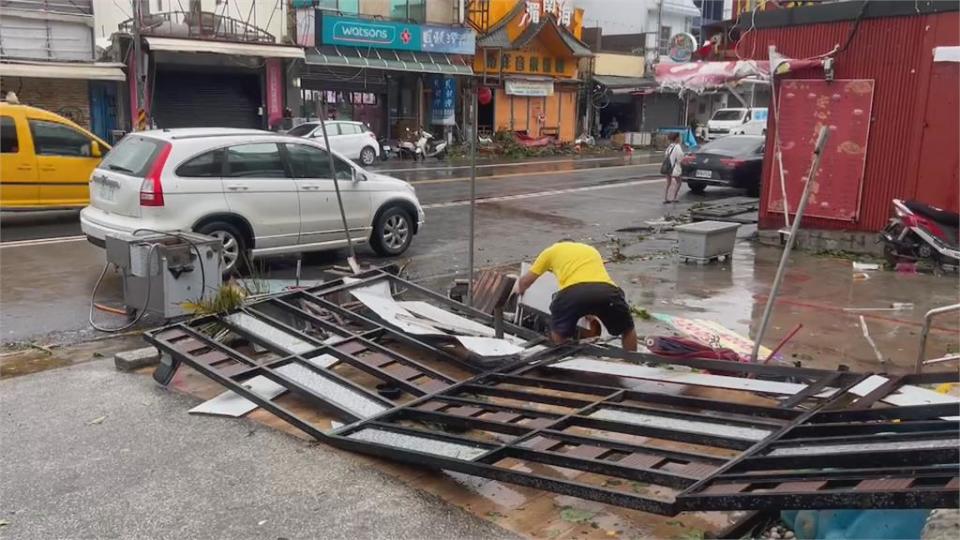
column 353, row 32
column 443, row 109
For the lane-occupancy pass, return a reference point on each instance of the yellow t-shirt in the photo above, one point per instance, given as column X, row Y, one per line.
column 572, row 263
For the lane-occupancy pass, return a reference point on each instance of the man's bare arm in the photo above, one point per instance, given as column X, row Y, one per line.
column 526, row 281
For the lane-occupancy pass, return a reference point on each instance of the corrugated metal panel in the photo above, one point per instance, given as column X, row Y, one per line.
column 897, row 53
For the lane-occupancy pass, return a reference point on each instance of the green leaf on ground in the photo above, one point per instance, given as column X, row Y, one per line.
column 495, row 515
column 640, row 312
column 690, row 534
column 576, row 515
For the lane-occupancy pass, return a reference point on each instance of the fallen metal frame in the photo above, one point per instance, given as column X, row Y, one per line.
column 712, row 454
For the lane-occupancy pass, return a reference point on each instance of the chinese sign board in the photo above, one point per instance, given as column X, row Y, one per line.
column 528, row 62
column 561, row 9
column 353, row 32
column 444, row 102
column 520, row 87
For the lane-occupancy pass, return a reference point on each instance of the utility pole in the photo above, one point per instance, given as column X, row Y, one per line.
column 473, row 134
column 659, row 26
column 138, row 123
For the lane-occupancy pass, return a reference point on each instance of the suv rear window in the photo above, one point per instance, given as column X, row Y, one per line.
column 132, row 156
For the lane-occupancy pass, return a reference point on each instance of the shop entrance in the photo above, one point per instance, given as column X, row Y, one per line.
column 485, row 116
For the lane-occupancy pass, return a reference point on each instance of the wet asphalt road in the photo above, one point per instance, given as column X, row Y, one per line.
column 48, row 271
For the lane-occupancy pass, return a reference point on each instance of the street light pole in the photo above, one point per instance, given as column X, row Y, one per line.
column 474, row 103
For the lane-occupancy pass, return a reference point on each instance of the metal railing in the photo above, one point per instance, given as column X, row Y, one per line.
column 925, row 332
column 203, row 25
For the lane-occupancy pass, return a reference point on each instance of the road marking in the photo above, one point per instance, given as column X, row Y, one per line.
column 514, row 175
column 492, row 165
column 451, row 204
column 42, row 241
column 541, row 194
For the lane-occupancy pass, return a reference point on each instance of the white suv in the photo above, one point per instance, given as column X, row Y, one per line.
column 261, row 193
column 351, row 139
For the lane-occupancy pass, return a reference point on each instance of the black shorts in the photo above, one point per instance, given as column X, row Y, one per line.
column 601, row 300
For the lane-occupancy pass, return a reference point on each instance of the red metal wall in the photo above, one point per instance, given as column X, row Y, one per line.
column 897, row 52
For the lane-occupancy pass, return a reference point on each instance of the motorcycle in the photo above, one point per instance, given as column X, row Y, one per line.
column 919, row 231
column 388, row 149
column 407, row 148
column 430, row 148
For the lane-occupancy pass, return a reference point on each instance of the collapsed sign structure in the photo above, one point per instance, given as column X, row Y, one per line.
column 398, row 364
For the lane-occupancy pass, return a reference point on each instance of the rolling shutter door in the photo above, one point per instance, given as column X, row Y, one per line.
column 197, row 99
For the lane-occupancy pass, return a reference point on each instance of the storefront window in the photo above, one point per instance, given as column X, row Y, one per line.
column 415, row 10
column 547, row 65
column 491, row 60
column 520, row 63
column 505, row 61
column 534, row 63
column 561, row 65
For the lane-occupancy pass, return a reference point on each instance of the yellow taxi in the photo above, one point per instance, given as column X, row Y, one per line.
column 45, row 159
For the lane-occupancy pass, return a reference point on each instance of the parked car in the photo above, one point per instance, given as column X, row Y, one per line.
column 735, row 161
column 352, row 139
column 260, row 192
column 45, row 159
column 737, row 122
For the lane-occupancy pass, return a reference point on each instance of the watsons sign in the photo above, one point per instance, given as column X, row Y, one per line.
column 353, row 32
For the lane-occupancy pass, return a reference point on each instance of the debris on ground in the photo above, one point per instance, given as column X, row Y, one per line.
column 570, row 419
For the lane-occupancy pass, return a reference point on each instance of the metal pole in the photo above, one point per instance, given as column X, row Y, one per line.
column 352, row 258
column 811, row 178
column 138, row 63
column 771, row 52
column 473, row 186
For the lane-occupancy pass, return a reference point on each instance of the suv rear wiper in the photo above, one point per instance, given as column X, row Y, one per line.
column 113, row 167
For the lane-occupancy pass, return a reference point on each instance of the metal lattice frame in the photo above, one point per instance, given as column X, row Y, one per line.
column 529, row 423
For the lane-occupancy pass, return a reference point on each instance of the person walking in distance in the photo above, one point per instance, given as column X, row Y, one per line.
column 671, row 168
column 585, row 290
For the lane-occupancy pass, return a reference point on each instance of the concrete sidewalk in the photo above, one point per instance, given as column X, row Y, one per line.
column 92, row 453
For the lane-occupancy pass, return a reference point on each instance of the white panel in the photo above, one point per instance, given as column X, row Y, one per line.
column 679, row 377
column 419, row 444
column 234, row 405
column 392, row 313
column 946, row 54
column 869, row 447
column 270, row 334
column 331, row 390
column 680, row 424
column 485, row 346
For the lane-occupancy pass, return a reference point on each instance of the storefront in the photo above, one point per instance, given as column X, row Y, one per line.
column 201, row 83
column 528, row 60
column 390, row 75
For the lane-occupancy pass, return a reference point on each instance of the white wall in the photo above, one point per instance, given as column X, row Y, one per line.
column 33, row 38
column 108, row 14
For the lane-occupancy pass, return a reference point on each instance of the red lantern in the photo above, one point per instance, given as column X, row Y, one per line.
column 484, row 95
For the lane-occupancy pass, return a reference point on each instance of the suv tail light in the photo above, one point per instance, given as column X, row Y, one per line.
column 151, row 190
column 688, row 159
column 731, row 163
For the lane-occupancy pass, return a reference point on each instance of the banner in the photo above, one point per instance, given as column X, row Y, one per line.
column 521, row 87
column 353, row 32
column 444, row 102
column 274, row 83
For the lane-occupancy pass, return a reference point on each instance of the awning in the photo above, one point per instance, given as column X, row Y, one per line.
column 223, row 47
column 94, row 71
column 331, row 55
column 615, row 82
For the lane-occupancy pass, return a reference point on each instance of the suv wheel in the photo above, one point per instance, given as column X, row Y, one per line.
column 393, row 232
column 234, row 243
column 367, row 156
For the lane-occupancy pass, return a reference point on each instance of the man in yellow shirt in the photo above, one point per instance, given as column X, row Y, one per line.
column 585, row 289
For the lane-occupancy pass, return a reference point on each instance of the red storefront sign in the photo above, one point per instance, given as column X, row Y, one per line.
column 274, row 84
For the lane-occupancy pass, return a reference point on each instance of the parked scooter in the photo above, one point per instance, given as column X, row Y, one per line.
column 430, row 148
column 407, row 148
column 918, row 231
column 388, row 149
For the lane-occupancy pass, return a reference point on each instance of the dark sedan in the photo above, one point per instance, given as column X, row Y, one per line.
column 734, row 161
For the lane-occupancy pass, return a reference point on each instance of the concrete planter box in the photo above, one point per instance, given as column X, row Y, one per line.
column 706, row 240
